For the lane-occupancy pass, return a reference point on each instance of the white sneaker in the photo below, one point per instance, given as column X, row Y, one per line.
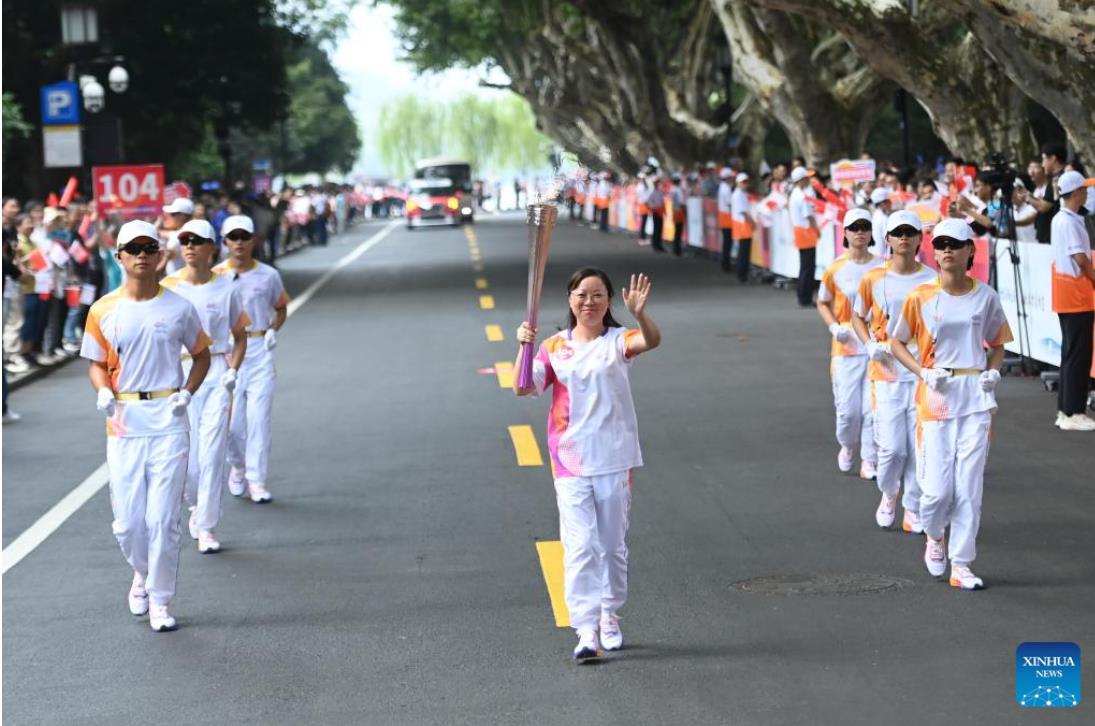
column 236, row 483
column 17, row 364
column 138, row 596
column 207, row 542
column 259, row 493
column 934, row 556
column 1077, row 422
column 588, row 647
column 161, row 620
column 963, row 578
column 192, row 525
column 1060, row 417
column 868, row 471
column 845, row 458
column 612, row 638
column 911, row 523
column 11, row 417
column 886, row 511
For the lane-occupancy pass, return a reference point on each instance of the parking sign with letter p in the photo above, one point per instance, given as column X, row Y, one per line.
column 60, row 104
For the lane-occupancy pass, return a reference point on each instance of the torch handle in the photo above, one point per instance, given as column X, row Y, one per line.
column 524, row 376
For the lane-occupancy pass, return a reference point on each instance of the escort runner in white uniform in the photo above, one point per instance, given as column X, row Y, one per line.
column 848, row 370
column 881, row 296
column 265, row 302
column 952, row 321
column 220, row 308
column 133, row 337
column 593, row 440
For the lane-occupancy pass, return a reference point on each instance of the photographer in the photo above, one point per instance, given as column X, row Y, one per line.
column 1073, row 288
column 1045, row 198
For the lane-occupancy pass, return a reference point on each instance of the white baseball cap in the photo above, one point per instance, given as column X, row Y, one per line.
column 856, row 215
column 181, row 205
column 799, row 173
column 953, row 228
column 136, row 230
column 742, row 176
column 237, row 221
column 904, row 218
column 880, row 195
column 726, row 172
column 199, row 228
column 1070, row 181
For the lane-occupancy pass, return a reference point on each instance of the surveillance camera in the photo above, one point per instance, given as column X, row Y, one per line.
column 94, row 105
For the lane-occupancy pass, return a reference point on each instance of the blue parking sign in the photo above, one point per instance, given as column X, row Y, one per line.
column 61, row 103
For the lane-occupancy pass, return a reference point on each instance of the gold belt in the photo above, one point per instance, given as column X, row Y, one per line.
column 145, row 395
column 187, row 356
column 256, row 333
column 964, row 371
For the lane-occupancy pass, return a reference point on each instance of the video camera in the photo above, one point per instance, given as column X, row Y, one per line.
column 998, row 173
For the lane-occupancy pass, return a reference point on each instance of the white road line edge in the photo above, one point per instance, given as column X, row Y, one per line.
column 51, row 521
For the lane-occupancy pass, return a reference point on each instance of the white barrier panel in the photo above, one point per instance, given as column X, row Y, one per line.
column 1035, row 261
column 695, row 221
column 781, row 245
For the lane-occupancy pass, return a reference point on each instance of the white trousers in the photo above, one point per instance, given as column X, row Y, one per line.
column 593, row 520
column 206, row 474
column 249, row 430
column 852, row 398
column 952, row 475
column 147, row 476
column 895, row 434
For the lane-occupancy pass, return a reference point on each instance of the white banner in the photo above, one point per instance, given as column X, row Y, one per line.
column 695, row 221
column 1035, row 261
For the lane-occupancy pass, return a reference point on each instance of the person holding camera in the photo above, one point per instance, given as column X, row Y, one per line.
column 1044, row 198
column 1074, row 302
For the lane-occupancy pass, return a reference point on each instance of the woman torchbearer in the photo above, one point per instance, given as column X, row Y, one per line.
column 593, row 441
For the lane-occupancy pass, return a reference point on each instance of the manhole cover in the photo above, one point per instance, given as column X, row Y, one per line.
column 821, row 584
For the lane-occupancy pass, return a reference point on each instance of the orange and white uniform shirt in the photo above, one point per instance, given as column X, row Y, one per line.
column 881, row 297
column 840, row 286
column 592, row 427
column 140, row 341
column 219, row 305
column 951, row 332
column 742, row 218
column 801, row 211
column 725, row 203
column 261, row 292
column 1072, row 290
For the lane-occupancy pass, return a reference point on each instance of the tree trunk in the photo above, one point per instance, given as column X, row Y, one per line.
column 1068, row 23
column 1052, row 63
column 974, row 108
column 618, row 84
column 824, row 99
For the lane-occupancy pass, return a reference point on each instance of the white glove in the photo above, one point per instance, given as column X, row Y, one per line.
column 228, row 380
column 841, row 333
column 271, row 339
column 105, row 401
column 934, row 377
column 879, row 351
column 988, row 380
column 179, row 401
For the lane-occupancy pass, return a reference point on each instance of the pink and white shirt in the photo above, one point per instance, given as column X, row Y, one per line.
column 592, row 428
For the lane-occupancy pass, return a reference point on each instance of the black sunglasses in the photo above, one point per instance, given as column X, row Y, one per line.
column 948, row 243
column 859, row 227
column 238, row 236
column 136, row 248
column 905, row 232
column 194, row 240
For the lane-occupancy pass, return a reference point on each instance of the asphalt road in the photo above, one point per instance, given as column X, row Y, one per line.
column 395, row 578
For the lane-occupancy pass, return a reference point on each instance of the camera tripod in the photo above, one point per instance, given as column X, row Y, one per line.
column 1006, row 227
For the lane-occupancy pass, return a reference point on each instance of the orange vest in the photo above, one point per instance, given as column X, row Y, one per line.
column 1072, row 294
column 805, row 238
column 742, row 229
